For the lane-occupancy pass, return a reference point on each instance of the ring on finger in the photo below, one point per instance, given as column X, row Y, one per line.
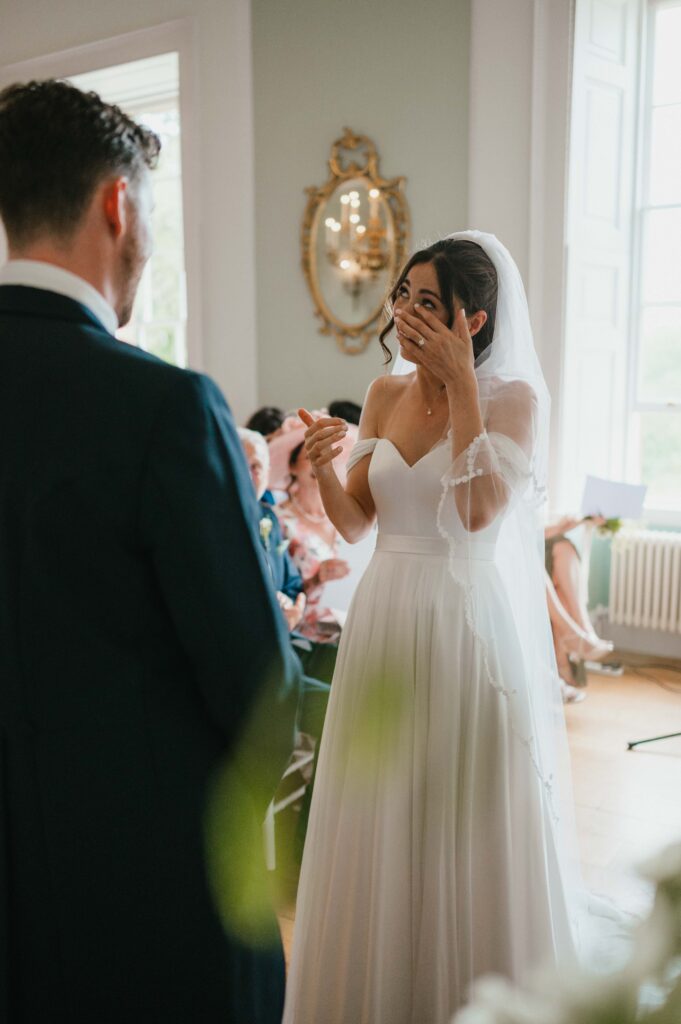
column 420, row 342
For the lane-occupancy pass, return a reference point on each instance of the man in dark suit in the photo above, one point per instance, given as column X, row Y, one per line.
column 138, row 684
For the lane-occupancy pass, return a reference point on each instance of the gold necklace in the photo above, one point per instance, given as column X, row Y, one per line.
column 429, row 411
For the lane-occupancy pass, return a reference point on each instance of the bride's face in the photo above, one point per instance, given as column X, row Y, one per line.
column 420, row 285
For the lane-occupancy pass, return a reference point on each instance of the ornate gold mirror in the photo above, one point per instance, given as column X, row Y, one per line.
column 355, row 237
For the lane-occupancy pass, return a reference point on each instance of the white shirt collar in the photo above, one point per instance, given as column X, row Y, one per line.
column 48, row 277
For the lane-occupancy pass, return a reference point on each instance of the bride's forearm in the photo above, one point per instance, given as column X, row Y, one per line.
column 345, row 511
column 465, row 416
column 479, row 500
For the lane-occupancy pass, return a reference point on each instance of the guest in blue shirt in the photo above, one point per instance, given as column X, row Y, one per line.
column 318, row 660
column 288, row 582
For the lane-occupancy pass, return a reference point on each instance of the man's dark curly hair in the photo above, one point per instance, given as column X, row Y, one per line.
column 57, row 144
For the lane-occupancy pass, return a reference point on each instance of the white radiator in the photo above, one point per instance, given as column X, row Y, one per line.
column 645, row 580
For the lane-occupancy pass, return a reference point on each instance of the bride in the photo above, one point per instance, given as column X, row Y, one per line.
column 437, row 848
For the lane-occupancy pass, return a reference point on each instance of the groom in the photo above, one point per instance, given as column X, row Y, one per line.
column 135, row 676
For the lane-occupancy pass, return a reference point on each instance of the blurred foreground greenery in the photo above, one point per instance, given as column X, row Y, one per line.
column 647, row 990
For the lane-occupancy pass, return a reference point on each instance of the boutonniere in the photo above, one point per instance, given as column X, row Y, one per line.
column 265, row 531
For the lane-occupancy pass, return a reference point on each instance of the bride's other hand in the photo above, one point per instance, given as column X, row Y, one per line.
column 322, row 438
column 446, row 352
column 348, row 505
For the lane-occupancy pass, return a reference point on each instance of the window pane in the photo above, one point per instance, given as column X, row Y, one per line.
column 159, row 314
column 662, row 256
column 160, row 341
column 660, row 355
column 665, row 155
column 167, row 216
column 660, row 458
column 148, row 90
column 666, row 76
column 166, row 287
column 166, row 124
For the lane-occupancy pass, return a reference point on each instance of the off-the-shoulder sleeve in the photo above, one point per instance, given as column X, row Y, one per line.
column 495, row 470
column 490, row 452
column 362, row 448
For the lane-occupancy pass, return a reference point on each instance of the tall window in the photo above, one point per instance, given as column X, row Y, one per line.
column 621, row 408
column 655, row 381
column 148, row 90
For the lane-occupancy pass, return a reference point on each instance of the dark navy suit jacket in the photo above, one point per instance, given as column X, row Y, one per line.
column 130, row 667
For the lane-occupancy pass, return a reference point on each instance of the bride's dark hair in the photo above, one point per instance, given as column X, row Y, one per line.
column 463, row 270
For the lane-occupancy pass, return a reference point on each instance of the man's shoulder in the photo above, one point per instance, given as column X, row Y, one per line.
column 139, row 375
column 142, row 370
column 56, row 338
column 129, row 358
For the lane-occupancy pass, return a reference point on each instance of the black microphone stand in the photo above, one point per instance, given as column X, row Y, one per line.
column 653, row 739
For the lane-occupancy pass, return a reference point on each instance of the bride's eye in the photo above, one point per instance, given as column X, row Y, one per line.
column 402, row 292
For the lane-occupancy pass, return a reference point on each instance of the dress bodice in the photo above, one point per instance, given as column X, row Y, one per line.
column 407, row 497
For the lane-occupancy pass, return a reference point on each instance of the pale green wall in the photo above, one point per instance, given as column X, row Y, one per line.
column 394, row 70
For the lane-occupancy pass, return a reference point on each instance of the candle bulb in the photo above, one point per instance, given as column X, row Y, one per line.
column 374, row 196
column 335, row 228
column 345, row 215
column 354, row 221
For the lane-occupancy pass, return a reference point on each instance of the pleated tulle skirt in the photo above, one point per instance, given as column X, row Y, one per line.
column 430, row 856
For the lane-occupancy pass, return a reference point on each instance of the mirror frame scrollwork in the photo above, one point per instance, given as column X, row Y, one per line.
column 352, row 156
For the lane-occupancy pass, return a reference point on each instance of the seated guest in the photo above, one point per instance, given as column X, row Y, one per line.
column 575, row 639
column 346, row 410
column 281, row 443
column 318, row 661
column 313, row 544
column 288, row 582
column 266, row 420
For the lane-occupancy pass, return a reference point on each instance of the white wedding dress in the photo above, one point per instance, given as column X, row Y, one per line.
column 429, row 857
column 441, row 842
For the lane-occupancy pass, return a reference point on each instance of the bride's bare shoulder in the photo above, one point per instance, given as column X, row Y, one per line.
column 380, row 397
column 386, row 388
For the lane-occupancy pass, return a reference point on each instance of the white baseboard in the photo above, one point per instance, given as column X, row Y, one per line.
column 643, row 641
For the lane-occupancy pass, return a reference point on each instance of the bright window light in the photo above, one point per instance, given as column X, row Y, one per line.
column 149, row 90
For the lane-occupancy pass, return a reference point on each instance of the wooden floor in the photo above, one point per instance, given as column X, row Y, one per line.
column 628, row 803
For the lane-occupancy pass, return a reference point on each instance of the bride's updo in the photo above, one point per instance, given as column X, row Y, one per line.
column 465, row 271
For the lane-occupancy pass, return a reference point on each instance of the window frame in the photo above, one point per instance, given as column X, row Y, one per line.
column 174, row 36
column 634, row 406
column 137, row 109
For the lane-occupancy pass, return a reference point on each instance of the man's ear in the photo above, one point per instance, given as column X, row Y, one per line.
column 113, row 205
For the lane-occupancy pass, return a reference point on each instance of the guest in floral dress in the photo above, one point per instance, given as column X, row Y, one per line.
column 313, row 546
